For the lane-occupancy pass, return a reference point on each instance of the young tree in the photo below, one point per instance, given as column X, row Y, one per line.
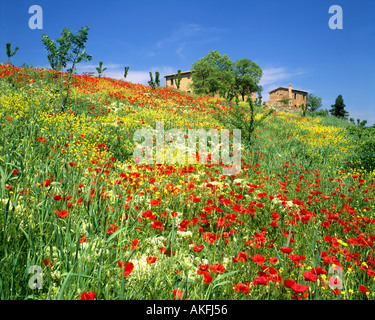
column 9, row 52
column 68, row 48
column 153, row 84
column 157, row 80
column 313, row 102
column 151, row 81
column 100, row 69
column 126, row 72
column 338, row 109
column 259, row 94
column 247, row 119
column 247, row 76
column 178, row 79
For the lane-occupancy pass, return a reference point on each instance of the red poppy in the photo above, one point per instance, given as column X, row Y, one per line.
column 61, row 214
column 87, row 296
column 273, row 260
column 363, row 289
column 203, row 269
column 198, row 248
column 128, row 269
column 286, row 250
column 207, row 278
column 297, row 288
column 151, row 259
column 241, row 287
column 155, row 202
column 111, row 229
column 177, row 294
column 242, row 256
column 289, row 283
column 296, row 257
column 318, row 271
column 157, row 225
column 135, row 244
column 217, row 268
column 47, row 261
column 310, row 276
column 336, row 292
column 258, row 259
column 260, row 280
column 148, row 215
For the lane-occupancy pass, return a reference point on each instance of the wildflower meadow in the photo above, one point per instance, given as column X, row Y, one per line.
column 81, row 219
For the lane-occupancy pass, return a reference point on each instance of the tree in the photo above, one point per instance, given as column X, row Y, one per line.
column 9, row 52
column 157, row 79
column 338, row 109
column 153, row 84
column 213, row 74
column 126, row 72
column 68, row 48
column 313, row 102
column 177, row 79
column 360, row 123
column 247, row 119
column 100, row 69
column 247, row 76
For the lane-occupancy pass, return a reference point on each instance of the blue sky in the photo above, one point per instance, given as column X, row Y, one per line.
column 290, row 40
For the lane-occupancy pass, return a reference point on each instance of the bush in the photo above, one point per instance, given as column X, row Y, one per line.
column 320, row 113
column 365, row 156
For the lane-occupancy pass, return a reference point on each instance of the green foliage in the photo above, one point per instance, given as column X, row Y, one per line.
column 9, row 52
column 154, row 83
column 157, row 79
column 313, row 102
column 178, row 79
column 365, row 155
column 247, row 76
column 320, row 113
column 304, row 109
column 360, row 130
column 69, row 48
column 338, row 109
column 242, row 117
column 126, row 72
column 100, row 69
column 217, row 74
column 213, row 74
column 360, row 123
column 285, row 101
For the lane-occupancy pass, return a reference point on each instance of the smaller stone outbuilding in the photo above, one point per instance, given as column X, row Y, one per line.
column 185, row 83
column 287, row 98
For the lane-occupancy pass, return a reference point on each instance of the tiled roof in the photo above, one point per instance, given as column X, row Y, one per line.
column 173, row 74
column 284, row 88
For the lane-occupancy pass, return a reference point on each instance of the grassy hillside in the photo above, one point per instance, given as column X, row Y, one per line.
column 297, row 222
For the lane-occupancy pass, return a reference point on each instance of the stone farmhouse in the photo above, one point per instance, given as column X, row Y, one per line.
column 281, row 94
column 186, row 82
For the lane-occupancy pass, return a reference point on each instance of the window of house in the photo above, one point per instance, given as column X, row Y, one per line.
column 172, row 82
column 295, row 96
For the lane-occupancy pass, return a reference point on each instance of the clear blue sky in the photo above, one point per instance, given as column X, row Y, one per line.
column 290, row 40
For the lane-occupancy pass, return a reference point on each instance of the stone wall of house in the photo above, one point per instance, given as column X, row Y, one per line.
column 185, row 83
column 297, row 98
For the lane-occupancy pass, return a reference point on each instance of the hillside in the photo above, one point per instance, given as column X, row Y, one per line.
column 297, row 221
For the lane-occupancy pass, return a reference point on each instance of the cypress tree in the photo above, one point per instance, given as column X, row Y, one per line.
column 338, row 109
